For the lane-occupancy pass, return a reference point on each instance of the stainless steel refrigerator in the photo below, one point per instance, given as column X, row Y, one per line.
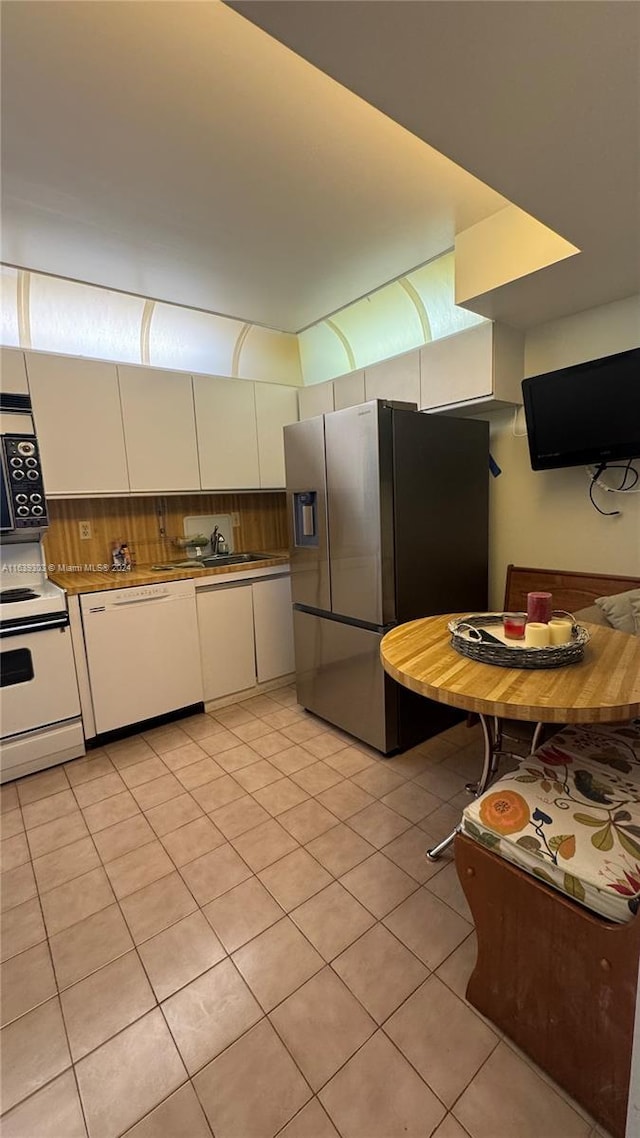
column 388, row 521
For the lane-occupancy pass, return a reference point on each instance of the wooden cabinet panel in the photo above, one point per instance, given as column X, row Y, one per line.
column 348, row 390
column 273, row 625
column 315, row 400
column 227, row 435
column 276, row 406
column 225, row 625
column 76, row 406
column 159, row 429
column 13, row 373
column 397, row 378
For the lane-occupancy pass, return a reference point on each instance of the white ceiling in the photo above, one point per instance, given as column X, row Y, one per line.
column 539, row 100
column 174, row 150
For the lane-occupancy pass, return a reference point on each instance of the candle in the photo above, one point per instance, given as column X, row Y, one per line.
column 513, row 625
column 539, row 607
column 536, row 634
column 560, row 631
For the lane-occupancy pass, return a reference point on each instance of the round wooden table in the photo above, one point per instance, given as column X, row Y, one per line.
column 604, row 687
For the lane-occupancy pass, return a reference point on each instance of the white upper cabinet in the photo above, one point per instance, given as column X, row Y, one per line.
column 397, row 379
column 13, row 373
column 315, row 400
column 159, row 429
column 483, row 364
column 227, row 435
column 76, row 406
column 276, row 407
column 348, row 390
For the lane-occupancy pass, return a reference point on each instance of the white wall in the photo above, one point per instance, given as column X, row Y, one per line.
column 545, row 518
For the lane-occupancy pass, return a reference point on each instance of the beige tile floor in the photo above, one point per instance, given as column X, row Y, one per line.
column 227, row 926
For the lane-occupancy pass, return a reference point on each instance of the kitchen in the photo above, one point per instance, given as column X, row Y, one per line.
column 221, row 626
column 197, row 863
column 230, row 663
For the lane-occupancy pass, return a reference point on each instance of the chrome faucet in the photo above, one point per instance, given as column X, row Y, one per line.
column 216, row 539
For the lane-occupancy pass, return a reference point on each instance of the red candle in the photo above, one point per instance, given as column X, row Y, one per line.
column 539, row 607
column 513, row 624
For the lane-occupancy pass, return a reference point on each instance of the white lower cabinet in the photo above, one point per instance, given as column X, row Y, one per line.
column 246, row 634
column 227, row 652
column 273, row 626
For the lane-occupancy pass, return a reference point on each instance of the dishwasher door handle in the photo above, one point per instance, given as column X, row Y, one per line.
column 137, row 601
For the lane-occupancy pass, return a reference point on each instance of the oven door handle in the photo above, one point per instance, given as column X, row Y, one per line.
column 60, row 620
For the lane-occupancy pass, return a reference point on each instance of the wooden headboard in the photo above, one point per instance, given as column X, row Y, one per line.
column 571, row 591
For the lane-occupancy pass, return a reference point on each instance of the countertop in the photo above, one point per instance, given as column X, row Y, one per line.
column 80, row 580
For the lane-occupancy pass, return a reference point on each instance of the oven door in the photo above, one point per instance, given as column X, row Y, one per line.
column 38, row 679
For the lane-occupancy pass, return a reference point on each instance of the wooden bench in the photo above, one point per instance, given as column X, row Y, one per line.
column 570, row 591
column 557, row 978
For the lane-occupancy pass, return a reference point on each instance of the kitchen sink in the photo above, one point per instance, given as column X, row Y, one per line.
column 233, row 559
column 191, row 564
column 211, row 562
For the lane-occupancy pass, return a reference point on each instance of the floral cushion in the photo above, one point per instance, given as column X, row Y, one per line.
column 570, row 814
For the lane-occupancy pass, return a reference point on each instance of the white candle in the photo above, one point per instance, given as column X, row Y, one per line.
column 561, row 631
column 536, row 635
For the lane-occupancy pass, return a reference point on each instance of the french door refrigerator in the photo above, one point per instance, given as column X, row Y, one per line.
column 388, row 521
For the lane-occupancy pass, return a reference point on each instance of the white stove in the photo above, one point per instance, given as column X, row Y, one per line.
column 28, row 600
column 40, row 712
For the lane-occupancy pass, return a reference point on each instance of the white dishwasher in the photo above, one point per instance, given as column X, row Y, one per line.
column 143, row 652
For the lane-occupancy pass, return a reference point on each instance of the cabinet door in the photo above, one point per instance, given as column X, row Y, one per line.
column 159, row 429
column 348, row 390
column 457, row 368
column 276, row 407
column 315, row 400
column 76, row 406
column 398, row 379
column 13, row 373
column 227, row 436
column 225, row 625
column 273, row 624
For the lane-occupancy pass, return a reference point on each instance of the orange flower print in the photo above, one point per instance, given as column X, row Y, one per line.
column 567, row 847
column 505, row 812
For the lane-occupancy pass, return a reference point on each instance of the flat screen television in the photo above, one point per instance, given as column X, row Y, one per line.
column 588, row 414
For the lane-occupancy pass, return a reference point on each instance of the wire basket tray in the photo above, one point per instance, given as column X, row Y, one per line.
column 467, row 639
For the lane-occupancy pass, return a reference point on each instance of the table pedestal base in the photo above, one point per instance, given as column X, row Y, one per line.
column 492, row 732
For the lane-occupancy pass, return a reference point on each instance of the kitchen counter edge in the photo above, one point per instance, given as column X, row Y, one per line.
column 80, row 581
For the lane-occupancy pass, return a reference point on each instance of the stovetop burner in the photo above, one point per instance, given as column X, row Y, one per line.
column 11, row 595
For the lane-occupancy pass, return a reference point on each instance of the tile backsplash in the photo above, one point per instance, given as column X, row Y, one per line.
column 150, row 525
